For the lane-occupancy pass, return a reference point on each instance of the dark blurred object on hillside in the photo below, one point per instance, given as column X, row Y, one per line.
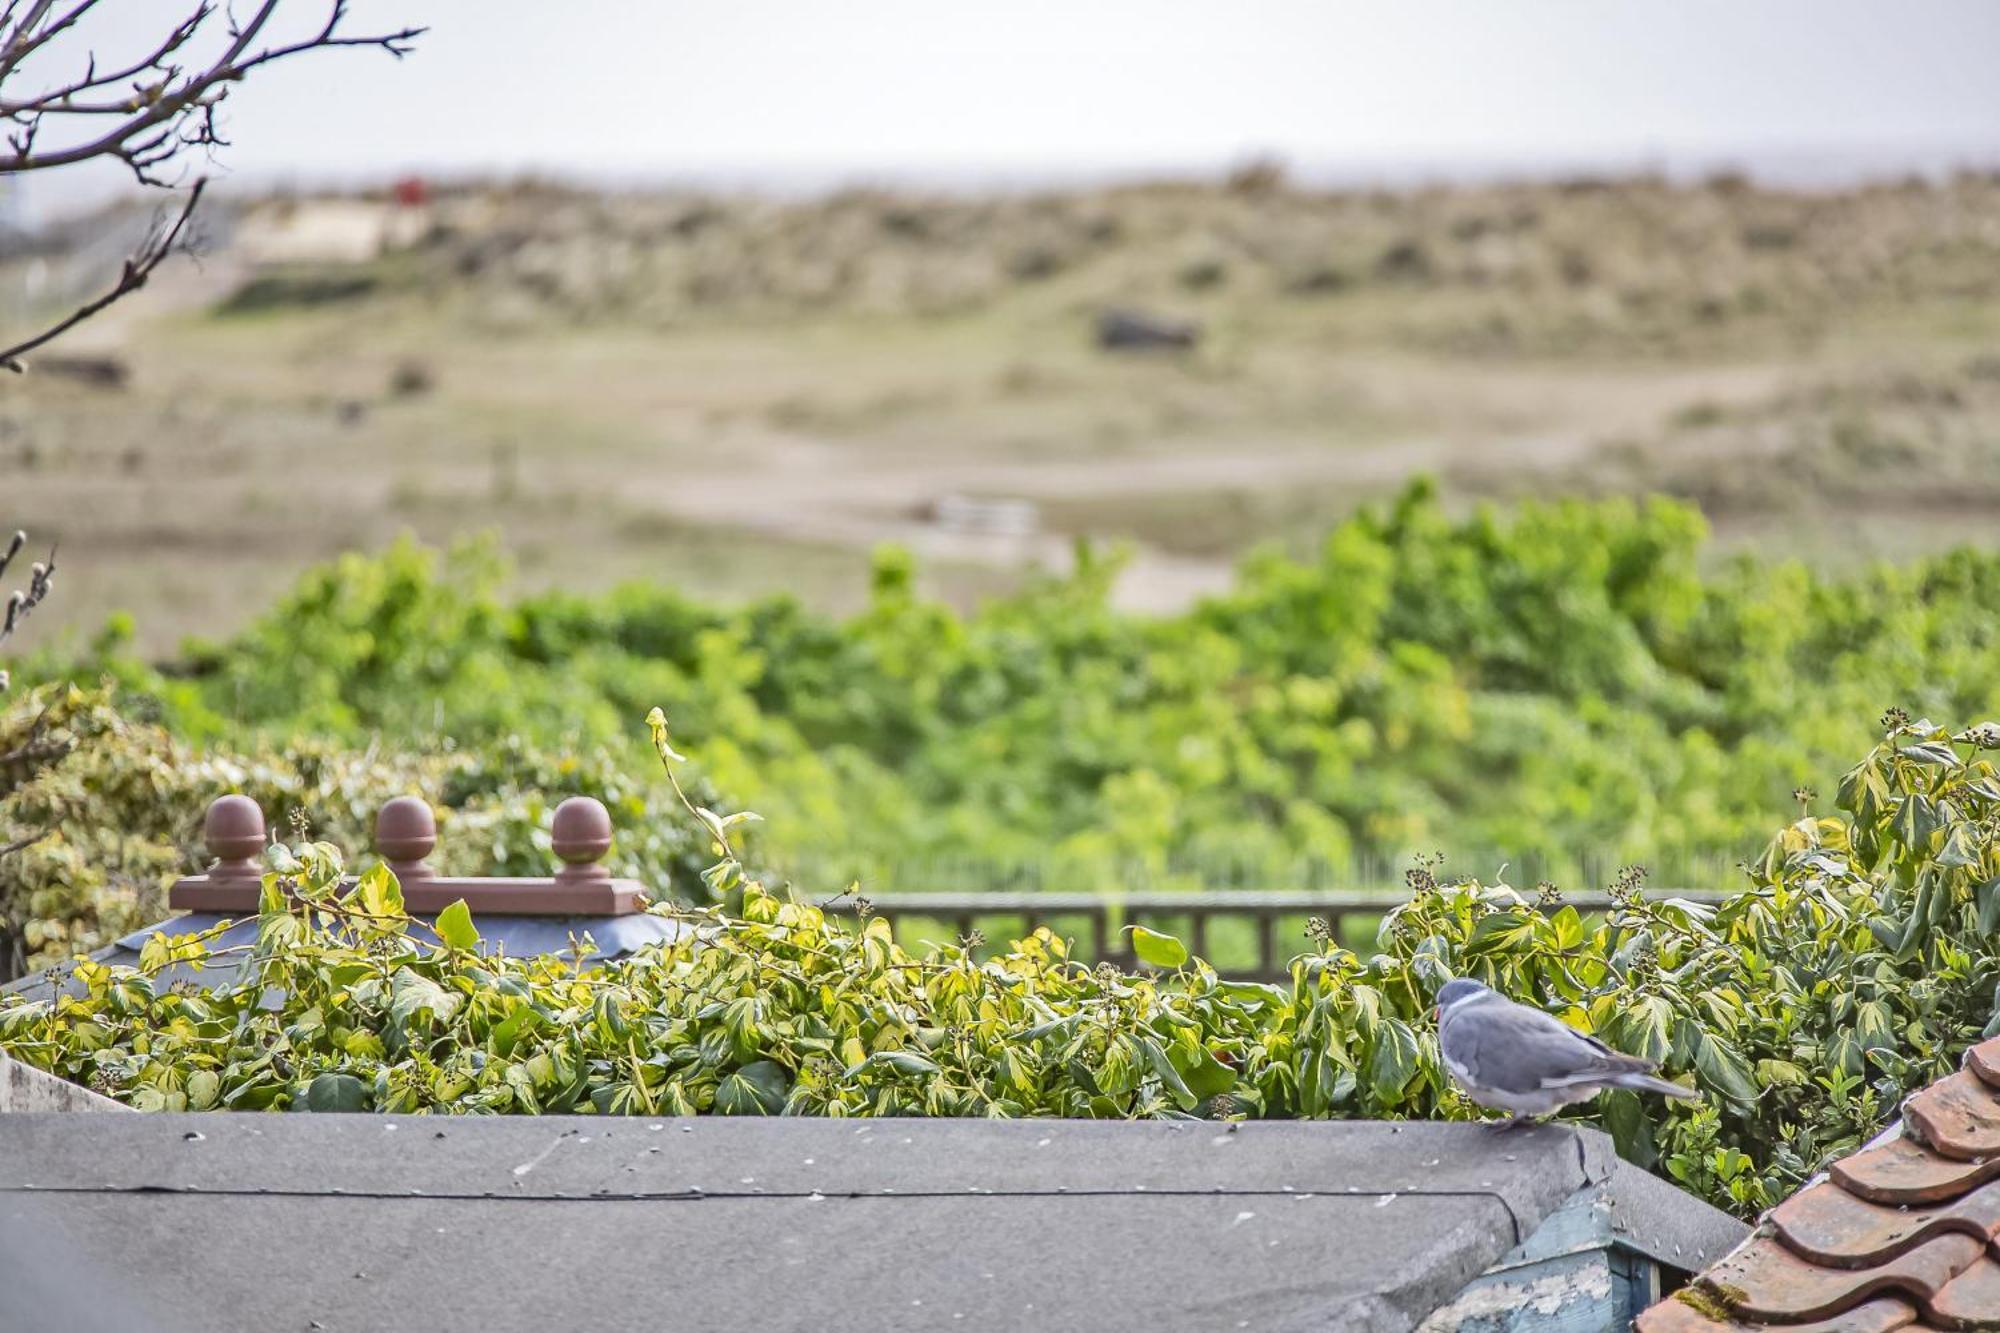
column 411, row 378
column 97, row 372
column 1138, row 330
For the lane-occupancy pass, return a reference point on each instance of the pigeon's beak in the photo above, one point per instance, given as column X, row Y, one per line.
column 1437, row 1012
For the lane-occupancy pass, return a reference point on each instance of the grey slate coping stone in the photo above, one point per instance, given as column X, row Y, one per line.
column 261, row 1222
column 24, row 1088
column 1666, row 1223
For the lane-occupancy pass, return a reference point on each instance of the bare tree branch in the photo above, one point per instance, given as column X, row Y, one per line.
column 23, row 844
column 170, row 110
column 131, row 278
column 168, row 107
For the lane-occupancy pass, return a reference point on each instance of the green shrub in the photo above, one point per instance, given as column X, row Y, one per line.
column 1562, row 689
column 1855, row 967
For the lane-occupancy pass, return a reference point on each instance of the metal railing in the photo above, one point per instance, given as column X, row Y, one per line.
column 1245, row 934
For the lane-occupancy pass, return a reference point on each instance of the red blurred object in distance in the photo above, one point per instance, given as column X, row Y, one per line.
column 412, row 192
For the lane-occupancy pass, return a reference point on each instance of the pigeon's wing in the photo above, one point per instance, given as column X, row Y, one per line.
column 1512, row 1048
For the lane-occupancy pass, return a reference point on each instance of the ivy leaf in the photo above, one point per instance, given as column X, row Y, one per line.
column 755, row 1089
column 1779, row 1074
column 336, row 1092
column 1204, row 1075
column 203, row 1087
column 1863, row 792
column 1170, row 1077
column 1631, row 1132
column 455, row 928
column 378, row 892
column 1961, row 848
column 1988, row 897
column 1157, row 950
column 412, row 993
column 1874, row 1026
column 1723, row 1068
column 1916, row 820
column 1393, row 1062
column 1936, row 754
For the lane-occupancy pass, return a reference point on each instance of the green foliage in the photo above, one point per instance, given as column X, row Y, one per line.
column 1562, row 691
column 1851, row 971
column 112, row 807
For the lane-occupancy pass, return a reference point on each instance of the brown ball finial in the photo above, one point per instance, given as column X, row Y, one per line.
column 405, row 834
column 581, row 836
column 234, row 833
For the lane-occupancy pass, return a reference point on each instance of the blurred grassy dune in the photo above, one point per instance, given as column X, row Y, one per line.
column 741, row 395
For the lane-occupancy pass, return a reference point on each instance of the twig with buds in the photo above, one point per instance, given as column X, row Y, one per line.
column 23, row 601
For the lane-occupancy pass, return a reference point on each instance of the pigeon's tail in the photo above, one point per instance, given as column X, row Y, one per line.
column 1647, row 1083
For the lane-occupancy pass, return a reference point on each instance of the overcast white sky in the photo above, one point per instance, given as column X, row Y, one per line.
column 817, row 91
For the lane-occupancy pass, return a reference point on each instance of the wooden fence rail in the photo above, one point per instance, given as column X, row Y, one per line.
column 1266, row 927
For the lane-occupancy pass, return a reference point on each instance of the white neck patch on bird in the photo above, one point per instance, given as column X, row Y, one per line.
column 1463, row 1001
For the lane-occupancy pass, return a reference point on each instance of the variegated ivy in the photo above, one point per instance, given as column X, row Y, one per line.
column 1855, row 967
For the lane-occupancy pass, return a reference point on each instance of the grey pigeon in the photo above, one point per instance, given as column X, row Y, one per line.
column 1512, row 1058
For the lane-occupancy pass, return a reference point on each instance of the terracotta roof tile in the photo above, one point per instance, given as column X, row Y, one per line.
column 1958, row 1117
column 1984, row 1060
column 1970, row 1300
column 1881, row 1315
column 1764, row 1280
column 1905, row 1234
column 1903, row 1171
column 1829, row 1226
